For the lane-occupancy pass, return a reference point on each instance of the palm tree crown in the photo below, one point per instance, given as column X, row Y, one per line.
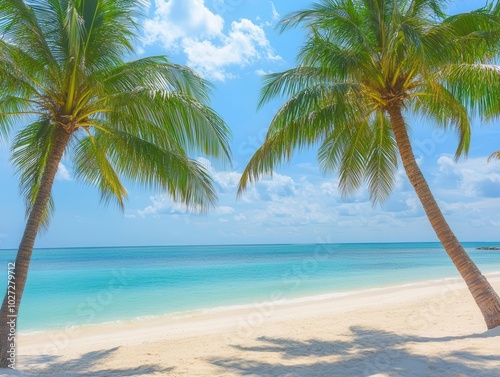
column 360, row 59
column 365, row 65
column 62, row 65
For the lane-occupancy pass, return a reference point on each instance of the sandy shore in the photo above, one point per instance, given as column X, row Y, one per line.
column 428, row 329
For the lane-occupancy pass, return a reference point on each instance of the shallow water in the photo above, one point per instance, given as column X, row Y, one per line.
column 70, row 287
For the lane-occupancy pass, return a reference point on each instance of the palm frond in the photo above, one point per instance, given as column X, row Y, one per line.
column 30, row 150
column 440, row 105
column 265, row 160
column 382, row 159
column 423, row 8
column 353, row 160
column 305, row 119
column 315, row 107
column 19, row 25
column 193, row 125
column 108, row 26
column 475, row 33
column 92, row 166
column 343, row 63
column 186, row 180
column 476, row 86
column 155, row 73
column 342, row 16
column 290, row 82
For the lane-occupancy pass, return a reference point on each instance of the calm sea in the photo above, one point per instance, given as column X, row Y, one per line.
column 68, row 287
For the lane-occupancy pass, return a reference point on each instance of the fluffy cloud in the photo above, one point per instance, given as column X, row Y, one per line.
column 176, row 20
column 225, row 180
column 282, row 200
column 471, row 178
column 245, row 44
column 162, row 204
column 308, row 204
column 63, row 173
column 190, row 26
column 275, row 13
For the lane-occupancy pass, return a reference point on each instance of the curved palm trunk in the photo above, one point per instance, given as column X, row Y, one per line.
column 61, row 139
column 483, row 293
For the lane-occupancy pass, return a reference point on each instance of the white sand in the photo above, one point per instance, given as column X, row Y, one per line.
column 428, row 329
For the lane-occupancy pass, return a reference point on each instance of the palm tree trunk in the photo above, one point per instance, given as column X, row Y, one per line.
column 61, row 140
column 484, row 294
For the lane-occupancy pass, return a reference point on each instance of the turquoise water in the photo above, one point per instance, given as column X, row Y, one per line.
column 68, row 287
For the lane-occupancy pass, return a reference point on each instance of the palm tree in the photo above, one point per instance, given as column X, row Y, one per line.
column 365, row 66
column 64, row 72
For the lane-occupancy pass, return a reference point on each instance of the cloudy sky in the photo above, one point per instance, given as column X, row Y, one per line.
column 233, row 43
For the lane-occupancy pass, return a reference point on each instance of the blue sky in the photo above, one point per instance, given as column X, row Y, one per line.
column 232, row 43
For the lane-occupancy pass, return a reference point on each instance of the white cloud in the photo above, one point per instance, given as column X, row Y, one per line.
column 311, row 206
column 330, row 188
column 472, row 178
column 176, row 20
column 278, row 187
column 275, row 13
column 190, row 26
column 240, row 217
column 261, row 72
column 224, row 210
column 225, row 180
column 63, row 173
column 162, row 204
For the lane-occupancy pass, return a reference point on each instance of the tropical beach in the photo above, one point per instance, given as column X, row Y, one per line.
column 425, row 329
column 348, row 228
column 392, row 315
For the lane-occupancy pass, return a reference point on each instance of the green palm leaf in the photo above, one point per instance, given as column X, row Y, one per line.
column 30, row 150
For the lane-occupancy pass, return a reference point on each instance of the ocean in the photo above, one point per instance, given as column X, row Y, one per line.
column 80, row 286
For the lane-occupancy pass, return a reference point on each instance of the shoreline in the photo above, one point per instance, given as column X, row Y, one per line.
column 273, row 297
column 97, row 290
column 442, row 307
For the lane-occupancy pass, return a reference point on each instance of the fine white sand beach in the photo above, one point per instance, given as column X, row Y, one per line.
column 426, row 329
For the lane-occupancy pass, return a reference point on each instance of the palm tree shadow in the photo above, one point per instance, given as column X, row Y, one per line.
column 370, row 352
column 87, row 365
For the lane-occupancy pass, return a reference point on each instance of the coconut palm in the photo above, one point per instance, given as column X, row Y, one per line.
column 68, row 90
column 365, row 66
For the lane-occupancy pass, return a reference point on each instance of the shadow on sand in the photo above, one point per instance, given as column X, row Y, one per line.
column 371, row 352
column 88, row 365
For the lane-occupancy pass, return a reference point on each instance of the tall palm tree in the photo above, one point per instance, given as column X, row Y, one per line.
column 365, row 66
column 64, row 72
